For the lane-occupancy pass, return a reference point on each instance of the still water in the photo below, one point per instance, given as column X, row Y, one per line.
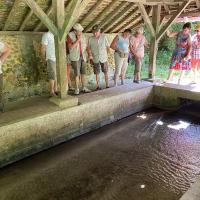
column 153, row 155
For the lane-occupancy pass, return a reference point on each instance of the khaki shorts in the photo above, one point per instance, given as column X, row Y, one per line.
column 51, row 70
column 121, row 64
column 100, row 67
column 79, row 67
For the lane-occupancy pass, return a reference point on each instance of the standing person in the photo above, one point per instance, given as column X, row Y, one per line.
column 48, row 49
column 98, row 49
column 77, row 52
column 120, row 45
column 137, row 44
column 196, row 52
column 4, row 53
column 181, row 55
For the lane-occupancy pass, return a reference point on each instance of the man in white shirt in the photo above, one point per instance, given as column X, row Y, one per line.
column 48, row 49
column 98, row 49
column 4, row 53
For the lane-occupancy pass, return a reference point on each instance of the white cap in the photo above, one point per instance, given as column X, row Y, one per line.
column 78, row 27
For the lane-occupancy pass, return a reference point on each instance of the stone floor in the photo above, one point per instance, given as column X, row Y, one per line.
column 40, row 105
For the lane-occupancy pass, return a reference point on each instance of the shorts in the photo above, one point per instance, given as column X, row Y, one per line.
column 195, row 63
column 51, row 69
column 100, row 66
column 121, row 64
column 68, row 60
column 79, row 67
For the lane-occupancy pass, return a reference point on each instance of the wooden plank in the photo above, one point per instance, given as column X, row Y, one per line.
column 167, row 8
column 49, row 11
column 61, row 64
column 101, row 15
column 198, row 4
column 172, row 19
column 11, row 14
column 91, row 11
column 70, row 19
column 126, row 18
column 146, row 19
column 126, row 9
column 155, row 2
column 42, row 16
column 27, row 18
column 154, row 42
column 20, row 33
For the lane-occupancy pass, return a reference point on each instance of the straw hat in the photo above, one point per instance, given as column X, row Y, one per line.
column 140, row 30
column 78, row 27
column 197, row 27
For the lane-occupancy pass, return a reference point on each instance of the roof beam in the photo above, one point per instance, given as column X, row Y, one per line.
column 172, row 19
column 96, row 5
column 42, row 16
column 11, row 14
column 39, row 25
column 156, row 2
column 27, row 18
column 100, row 16
column 198, row 4
column 118, row 16
column 126, row 18
column 146, row 19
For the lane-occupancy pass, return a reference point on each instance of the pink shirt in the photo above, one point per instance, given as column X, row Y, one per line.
column 137, row 44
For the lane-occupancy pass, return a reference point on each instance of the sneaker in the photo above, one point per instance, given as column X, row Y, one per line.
column 71, row 89
column 76, row 92
column 122, row 82
column 86, row 90
column 98, row 88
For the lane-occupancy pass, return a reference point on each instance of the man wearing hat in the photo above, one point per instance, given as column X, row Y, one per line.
column 77, row 52
column 196, row 52
column 98, row 49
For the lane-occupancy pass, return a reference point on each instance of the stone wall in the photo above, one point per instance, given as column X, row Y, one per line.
column 25, row 74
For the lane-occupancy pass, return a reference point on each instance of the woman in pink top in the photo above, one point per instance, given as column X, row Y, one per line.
column 137, row 44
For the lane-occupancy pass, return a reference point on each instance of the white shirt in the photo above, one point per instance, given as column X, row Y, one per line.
column 48, row 41
column 99, row 48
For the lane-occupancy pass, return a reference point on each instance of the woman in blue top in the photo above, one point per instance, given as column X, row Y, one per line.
column 120, row 45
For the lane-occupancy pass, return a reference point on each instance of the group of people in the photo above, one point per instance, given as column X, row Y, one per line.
column 186, row 55
column 97, row 48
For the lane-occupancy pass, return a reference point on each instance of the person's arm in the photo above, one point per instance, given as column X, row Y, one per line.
column 43, row 50
column 72, row 44
column 5, row 51
column 89, row 51
column 189, row 49
column 114, row 44
column 171, row 34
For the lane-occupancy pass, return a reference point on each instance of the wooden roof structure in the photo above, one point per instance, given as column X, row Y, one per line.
column 112, row 15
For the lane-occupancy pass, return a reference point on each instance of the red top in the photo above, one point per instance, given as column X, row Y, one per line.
column 70, row 42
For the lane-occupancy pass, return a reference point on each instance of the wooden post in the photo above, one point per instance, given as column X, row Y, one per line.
column 154, row 42
column 61, row 64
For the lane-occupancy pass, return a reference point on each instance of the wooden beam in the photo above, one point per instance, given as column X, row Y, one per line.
column 49, row 11
column 126, row 18
column 173, row 18
column 198, row 4
column 154, row 42
column 167, row 8
column 146, row 19
column 111, row 14
column 11, row 14
column 42, row 16
column 156, row 2
column 70, row 19
column 91, row 11
column 27, row 18
column 61, row 64
column 126, row 9
column 100, row 16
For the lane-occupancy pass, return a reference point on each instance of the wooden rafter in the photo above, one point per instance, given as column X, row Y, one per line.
column 172, row 19
column 39, row 25
column 146, row 19
column 198, row 4
column 118, row 17
column 101, row 15
column 167, row 8
column 11, row 14
column 95, row 7
column 42, row 16
column 126, row 18
column 27, row 18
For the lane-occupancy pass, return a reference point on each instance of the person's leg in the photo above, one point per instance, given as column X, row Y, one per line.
column 83, row 80
column 137, row 70
column 181, row 76
column 104, row 69
column 69, row 75
column 97, row 72
column 51, row 71
column 76, row 68
column 123, row 70
column 170, row 76
column 118, row 67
